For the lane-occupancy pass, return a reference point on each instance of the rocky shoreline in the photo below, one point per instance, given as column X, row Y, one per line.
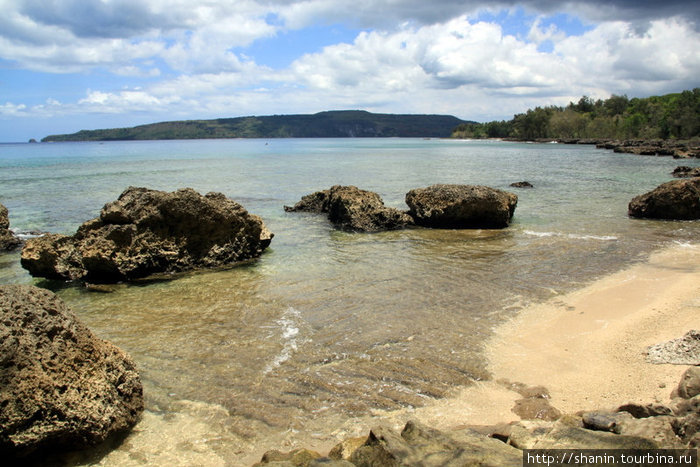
column 630, row 426
column 642, row 147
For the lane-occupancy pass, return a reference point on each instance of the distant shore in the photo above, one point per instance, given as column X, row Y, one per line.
column 678, row 149
column 587, row 347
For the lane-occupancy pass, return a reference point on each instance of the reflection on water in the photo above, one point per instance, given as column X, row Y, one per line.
column 329, row 325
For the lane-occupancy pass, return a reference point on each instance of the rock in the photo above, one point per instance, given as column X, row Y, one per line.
column 681, row 351
column 645, row 411
column 148, row 232
column 682, row 407
column 315, row 202
column 350, row 208
column 684, row 171
column 565, row 436
column 657, row 429
column 344, row 449
column 461, row 206
column 535, row 408
column 62, row 387
column 689, row 385
column 605, row 421
column 8, row 240
column 296, row 458
column 522, row 185
column 420, row 445
column 674, row 200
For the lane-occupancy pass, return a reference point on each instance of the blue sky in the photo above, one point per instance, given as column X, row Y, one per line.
column 67, row 65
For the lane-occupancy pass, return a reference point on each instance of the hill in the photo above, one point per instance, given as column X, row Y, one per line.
column 332, row 124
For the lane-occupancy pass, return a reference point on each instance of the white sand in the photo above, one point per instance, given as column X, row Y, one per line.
column 587, row 347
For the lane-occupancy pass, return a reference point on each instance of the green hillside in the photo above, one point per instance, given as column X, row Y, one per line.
column 344, row 123
column 672, row 116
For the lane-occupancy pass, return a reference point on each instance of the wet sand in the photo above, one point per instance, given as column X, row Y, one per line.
column 587, row 347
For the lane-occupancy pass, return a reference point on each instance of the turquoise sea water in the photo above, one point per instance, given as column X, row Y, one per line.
column 328, row 325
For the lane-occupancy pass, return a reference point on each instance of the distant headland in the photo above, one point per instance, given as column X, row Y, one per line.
column 331, row 124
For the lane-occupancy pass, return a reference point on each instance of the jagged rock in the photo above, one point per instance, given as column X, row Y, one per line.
column 681, row 351
column 358, row 210
column 315, row 202
column 689, row 385
column 674, row 200
column 420, row 445
column 684, row 171
column 62, row 387
column 148, row 232
column 461, row 206
column 682, row 407
column 8, row 240
column 353, row 209
column 658, row 429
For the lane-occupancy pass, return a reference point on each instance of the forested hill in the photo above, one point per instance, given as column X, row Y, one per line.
column 671, row 116
column 343, row 123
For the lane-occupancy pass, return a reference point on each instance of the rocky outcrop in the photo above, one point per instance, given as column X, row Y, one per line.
column 683, row 171
column 8, row 241
column 523, row 184
column 461, row 206
column 62, row 387
column 631, row 426
column 674, row 200
column 148, row 232
column 350, row 208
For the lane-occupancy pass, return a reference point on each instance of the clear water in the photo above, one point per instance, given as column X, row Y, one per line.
column 329, row 325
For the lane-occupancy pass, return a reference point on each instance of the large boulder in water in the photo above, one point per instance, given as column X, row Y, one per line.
column 674, row 200
column 8, row 241
column 461, row 206
column 148, row 232
column 62, row 387
column 353, row 209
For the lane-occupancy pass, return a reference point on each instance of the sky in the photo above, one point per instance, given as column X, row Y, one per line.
column 67, row 65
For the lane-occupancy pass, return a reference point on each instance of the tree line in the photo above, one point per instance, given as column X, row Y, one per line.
column 672, row 116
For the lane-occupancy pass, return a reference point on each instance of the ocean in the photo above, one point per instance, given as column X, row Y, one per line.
column 327, row 326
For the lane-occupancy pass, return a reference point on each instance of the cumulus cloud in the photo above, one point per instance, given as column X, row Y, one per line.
column 408, row 56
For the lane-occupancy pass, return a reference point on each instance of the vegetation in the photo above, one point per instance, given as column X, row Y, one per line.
column 675, row 116
column 347, row 123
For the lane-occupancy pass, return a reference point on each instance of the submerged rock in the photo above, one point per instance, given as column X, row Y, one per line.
column 148, row 232
column 522, row 184
column 353, row 209
column 674, row 200
column 8, row 241
column 62, row 387
column 461, row 206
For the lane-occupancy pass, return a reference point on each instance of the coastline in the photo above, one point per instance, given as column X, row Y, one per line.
column 586, row 347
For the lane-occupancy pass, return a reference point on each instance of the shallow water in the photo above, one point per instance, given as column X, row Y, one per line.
column 328, row 325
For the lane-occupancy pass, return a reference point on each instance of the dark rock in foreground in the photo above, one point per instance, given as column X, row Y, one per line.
column 350, row 208
column 461, row 206
column 62, row 387
column 149, row 232
column 8, row 241
column 674, row 200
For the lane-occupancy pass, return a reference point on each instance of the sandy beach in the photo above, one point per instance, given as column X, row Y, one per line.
column 587, row 347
